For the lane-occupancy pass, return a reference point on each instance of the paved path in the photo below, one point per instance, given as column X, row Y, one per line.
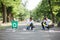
column 36, row 34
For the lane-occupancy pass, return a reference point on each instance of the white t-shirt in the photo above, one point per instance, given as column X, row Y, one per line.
column 48, row 21
column 29, row 22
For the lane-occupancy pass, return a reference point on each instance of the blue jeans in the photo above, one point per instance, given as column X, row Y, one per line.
column 28, row 28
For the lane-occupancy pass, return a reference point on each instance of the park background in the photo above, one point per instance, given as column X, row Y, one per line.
column 24, row 9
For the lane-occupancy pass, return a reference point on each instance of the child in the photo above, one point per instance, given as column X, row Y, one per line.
column 30, row 24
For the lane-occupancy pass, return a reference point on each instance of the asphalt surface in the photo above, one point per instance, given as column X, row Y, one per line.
column 22, row 34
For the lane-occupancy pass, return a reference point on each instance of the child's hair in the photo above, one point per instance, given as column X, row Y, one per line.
column 45, row 18
column 30, row 18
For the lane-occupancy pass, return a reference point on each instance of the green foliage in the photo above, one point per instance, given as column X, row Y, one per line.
column 15, row 7
column 11, row 2
column 43, row 9
column 11, row 5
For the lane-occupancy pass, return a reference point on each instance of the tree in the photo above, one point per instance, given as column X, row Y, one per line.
column 42, row 9
column 5, row 7
column 4, row 12
column 49, row 8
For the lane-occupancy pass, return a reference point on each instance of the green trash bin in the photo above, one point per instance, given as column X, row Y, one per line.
column 14, row 24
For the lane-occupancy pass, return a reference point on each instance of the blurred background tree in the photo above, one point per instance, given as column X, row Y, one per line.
column 49, row 8
column 10, row 9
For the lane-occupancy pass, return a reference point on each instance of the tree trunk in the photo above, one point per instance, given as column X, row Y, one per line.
column 12, row 18
column 9, row 13
column 59, row 24
column 4, row 13
column 8, row 17
column 49, row 1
